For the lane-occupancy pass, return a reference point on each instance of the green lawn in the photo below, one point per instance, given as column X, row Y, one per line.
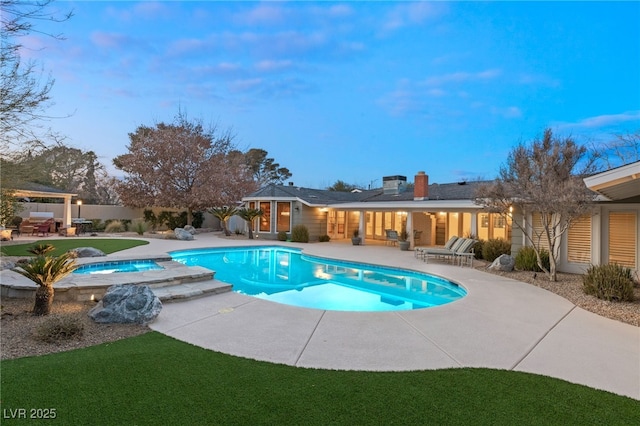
column 108, row 246
column 153, row 379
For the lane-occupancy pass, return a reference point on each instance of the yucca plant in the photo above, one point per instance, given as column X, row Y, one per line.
column 41, row 249
column 223, row 214
column 46, row 271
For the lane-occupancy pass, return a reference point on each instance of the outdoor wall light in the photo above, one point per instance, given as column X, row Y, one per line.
column 79, row 203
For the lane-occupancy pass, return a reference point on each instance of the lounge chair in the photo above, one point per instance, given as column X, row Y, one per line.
column 419, row 251
column 392, row 237
column 460, row 251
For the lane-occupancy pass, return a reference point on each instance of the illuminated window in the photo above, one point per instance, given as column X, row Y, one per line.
column 284, row 217
column 265, row 219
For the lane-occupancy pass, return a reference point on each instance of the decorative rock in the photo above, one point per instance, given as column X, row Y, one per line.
column 503, row 263
column 126, row 304
column 7, row 264
column 190, row 229
column 88, row 252
column 182, row 234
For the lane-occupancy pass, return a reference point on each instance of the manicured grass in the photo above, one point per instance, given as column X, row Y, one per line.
column 63, row 245
column 153, row 379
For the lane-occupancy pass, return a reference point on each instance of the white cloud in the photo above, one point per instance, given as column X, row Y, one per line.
column 606, row 120
column 273, row 65
column 463, row 77
column 413, row 13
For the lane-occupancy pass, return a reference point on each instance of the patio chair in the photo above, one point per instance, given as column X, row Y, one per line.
column 460, row 246
column 43, row 228
column 392, row 237
column 419, row 251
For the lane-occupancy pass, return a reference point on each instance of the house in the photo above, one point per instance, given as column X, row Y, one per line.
column 432, row 213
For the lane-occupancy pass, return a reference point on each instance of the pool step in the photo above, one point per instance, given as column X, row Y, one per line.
column 187, row 291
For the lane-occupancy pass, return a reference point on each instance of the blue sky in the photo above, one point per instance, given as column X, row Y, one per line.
column 349, row 90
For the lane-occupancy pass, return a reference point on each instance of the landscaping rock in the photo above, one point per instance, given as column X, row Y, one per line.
column 88, row 252
column 7, row 264
column 503, row 263
column 127, row 304
column 182, row 234
column 190, row 229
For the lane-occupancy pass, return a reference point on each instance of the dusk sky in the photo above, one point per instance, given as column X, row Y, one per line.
column 350, row 91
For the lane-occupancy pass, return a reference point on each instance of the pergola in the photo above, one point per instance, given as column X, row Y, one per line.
column 35, row 190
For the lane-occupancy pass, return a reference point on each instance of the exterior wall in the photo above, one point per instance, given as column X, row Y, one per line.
column 599, row 235
column 102, row 212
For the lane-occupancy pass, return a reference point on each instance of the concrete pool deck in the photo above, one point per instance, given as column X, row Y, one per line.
column 501, row 324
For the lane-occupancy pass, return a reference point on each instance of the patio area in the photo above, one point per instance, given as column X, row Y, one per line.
column 501, row 323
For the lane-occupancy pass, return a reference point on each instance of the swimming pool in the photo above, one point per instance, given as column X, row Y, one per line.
column 287, row 276
column 118, row 266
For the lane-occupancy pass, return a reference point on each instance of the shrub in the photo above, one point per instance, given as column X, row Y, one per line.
column 238, row 231
column 139, row 226
column 324, row 238
column 300, row 234
column 41, row 249
column 282, row 236
column 57, row 328
column 609, row 282
column 114, row 225
column 526, row 259
column 494, row 248
column 477, row 248
column 16, row 221
column 97, row 225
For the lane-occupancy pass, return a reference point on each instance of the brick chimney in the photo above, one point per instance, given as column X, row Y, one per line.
column 421, row 187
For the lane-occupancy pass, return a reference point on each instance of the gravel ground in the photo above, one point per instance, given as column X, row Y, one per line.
column 18, row 325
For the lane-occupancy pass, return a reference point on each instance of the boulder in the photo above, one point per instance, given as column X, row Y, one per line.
column 190, row 229
column 127, row 304
column 503, row 263
column 7, row 264
column 88, row 252
column 182, row 234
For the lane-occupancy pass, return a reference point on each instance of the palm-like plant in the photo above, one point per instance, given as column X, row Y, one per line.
column 223, row 214
column 46, row 271
column 249, row 215
column 41, row 249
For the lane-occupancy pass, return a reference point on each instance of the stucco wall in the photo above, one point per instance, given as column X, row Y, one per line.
column 90, row 211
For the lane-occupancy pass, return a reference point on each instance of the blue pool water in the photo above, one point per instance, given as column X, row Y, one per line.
column 286, row 276
column 118, row 266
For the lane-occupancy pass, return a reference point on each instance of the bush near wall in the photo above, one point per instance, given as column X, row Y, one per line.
column 300, row 234
column 610, row 282
column 526, row 259
column 494, row 248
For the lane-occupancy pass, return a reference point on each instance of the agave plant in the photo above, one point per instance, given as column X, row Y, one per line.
column 46, row 271
column 223, row 214
column 41, row 249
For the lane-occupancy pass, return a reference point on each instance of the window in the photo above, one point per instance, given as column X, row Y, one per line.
column 284, row 217
column 265, row 219
column 539, row 234
column 579, row 240
column 622, row 238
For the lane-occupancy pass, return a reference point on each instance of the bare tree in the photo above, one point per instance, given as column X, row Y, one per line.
column 24, row 92
column 623, row 149
column 182, row 165
column 544, row 178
